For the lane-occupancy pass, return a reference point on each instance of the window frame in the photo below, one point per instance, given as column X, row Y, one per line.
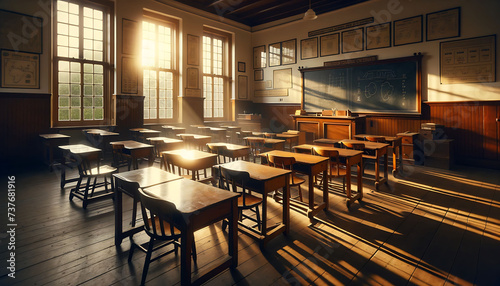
column 160, row 19
column 226, row 71
column 107, row 8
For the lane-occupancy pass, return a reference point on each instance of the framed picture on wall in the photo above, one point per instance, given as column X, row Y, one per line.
column 130, row 75
column 408, row 31
column 309, row 48
column 20, row 32
column 443, row 24
column 352, row 41
column 258, row 75
column 288, row 52
column 378, row 36
column 329, row 45
column 259, row 57
column 20, row 70
column 130, row 32
column 242, row 87
column 241, row 67
column 192, row 78
column 274, row 54
column 193, row 50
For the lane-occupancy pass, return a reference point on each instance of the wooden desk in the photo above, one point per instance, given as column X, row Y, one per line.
column 197, row 206
column 270, row 143
column 311, row 166
column 74, row 153
column 99, row 138
column 233, row 132
column 193, row 160
column 397, row 150
column 380, row 150
column 137, row 150
column 128, row 183
column 264, row 180
column 171, row 131
column 234, row 151
column 50, row 143
column 327, row 142
column 164, row 144
column 219, row 134
column 200, row 141
column 140, row 134
column 289, row 137
column 352, row 158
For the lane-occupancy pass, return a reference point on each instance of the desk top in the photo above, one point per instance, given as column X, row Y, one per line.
column 131, row 144
column 281, row 135
column 189, row 196
column 100, row 132
column 79, row 149
column 173, row 127
column 256, row 171
column 147, row 177
column 346, row 153
column 368, row 145
column 231, row 147
column 164, row 140
column 326, row 141
column 53, row 136
column 196, row 136
column 266, row 140
column 217, row 129
column 387, row 138
column 299, row 157
column 191, row 154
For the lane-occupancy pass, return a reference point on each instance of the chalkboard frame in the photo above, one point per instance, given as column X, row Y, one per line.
column 417, row 59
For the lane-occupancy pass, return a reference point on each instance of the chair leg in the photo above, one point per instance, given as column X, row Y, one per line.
column 134, row 212
column 132, row 248
column 257, row 214
column 86, row 194
column 193, row 252
column 148, row 260
column 300, row 194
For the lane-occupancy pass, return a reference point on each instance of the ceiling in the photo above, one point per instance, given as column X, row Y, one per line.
column 257, row 12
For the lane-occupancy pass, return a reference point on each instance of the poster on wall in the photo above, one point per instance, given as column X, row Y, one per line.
column 468, row 60
column 20, row 70
column 20, row 32
column 408, row 31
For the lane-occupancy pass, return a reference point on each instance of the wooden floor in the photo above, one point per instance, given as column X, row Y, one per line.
column 429, row 227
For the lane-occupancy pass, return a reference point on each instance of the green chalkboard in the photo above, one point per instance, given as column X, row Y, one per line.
column 387, row 86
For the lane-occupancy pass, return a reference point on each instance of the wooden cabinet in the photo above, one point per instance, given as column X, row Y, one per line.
column 331, row 127
column 412, row 153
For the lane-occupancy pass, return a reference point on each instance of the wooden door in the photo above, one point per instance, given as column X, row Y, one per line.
column 491, row 132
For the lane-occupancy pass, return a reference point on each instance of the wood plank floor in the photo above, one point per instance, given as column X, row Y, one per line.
column 429, row 227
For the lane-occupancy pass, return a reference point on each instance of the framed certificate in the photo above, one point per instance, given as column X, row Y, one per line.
column 408, row 31
column 443, row 24
column 329, row 45
column 378, row 36
column 288, row 54
column 352, row 40
column 309, row 48
column 275, row 54
column 259, row 57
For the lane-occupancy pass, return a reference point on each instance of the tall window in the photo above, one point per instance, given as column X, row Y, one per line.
column 159, row 69
column 81, row 63
column 214, row 85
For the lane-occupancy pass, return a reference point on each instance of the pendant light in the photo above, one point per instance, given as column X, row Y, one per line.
column 310, row 15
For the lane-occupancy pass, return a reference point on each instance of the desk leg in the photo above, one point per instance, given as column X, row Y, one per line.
column 360, row 181
column 233, row 234
column 377, row 169
column 394, row 160
column 386, row 176
column 187, row 238
column 348, row 181
column 286, row 205
column 325, row 189
column 118, row 216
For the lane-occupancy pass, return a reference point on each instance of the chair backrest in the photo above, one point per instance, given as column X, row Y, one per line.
column 334, row 158
column 87, row 162
column 354, row 145
column 189, row 141
column 379, row 139
column 154, row 212
column 217, row 149
column 232, row 179
column 172, row 163
column 281, row 162
column 256, row 145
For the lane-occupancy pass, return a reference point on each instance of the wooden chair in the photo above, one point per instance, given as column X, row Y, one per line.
column 231, row 180
column 287, row 164
column 219, row 150
column 359, row 147
column 335, row 169
column 243, row 134
column 189, row 141
column 170, row 161
column 156, row 214
column 256, row 147
column 90, row 169
column 121, row 159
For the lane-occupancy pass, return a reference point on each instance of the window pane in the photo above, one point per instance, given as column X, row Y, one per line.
column 75, row 114
column 88, row 114
column 63, row 114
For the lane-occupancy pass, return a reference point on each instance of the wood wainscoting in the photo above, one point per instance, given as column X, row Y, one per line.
column 23, row 116
column 473, row 125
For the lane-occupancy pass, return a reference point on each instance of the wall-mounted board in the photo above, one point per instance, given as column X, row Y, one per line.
column 387, row 86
